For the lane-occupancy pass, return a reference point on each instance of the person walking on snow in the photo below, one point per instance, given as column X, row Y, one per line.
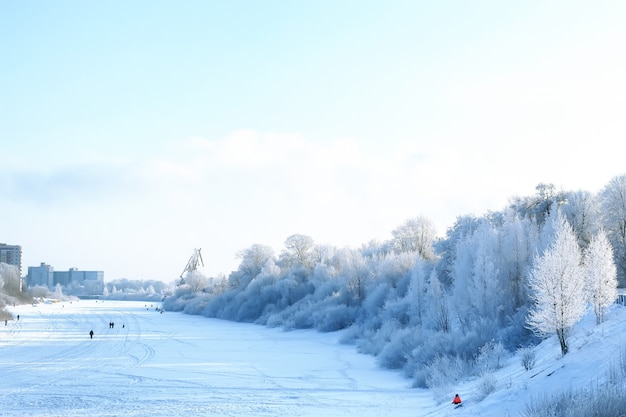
column 457, row 400
column 91, row 334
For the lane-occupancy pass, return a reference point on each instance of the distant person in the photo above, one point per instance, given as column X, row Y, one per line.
column 18, row 316
column 457, row 401
column 91, row 334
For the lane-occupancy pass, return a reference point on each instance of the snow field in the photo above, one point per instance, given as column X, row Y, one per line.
column 173, row 364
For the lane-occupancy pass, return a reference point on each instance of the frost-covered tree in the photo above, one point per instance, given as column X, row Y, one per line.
column 394, row 268
column 613, row 203
column 254, row 258
column 357, row 275
column 298, row 251
column 9, row 279
column 437, row 311
column 39, row 291
column 600, row 274
column 583, row 213
column 514, row 257
column 323, row 254
column 417, row 290
column 557, row 282
column 415, row 235
column 58, row 292
column 477, row 278
column 196, row 281
column 539, row 206
column 463, row 300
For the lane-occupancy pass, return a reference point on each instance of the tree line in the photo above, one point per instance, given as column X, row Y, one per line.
column 438, row 308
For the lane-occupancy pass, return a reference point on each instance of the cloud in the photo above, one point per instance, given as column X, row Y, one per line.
column 266, row 186
column 77, row 183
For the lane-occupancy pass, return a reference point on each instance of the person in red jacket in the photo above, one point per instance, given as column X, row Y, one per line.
column 457, row 400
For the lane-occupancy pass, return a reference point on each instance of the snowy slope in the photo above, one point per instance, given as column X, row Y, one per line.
column 174, row 364
column 593, row 350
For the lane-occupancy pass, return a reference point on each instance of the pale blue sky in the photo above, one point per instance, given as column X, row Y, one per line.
column 133, row 132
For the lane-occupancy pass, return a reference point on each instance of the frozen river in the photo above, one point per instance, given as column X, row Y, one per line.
column 171, row 364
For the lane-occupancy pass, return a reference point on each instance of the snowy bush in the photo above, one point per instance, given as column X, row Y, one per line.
column 39, row 291
column 301, row 319
column 10, row 280
column 561, row 405
column 622, row 361
column 490, row 357
column 216, row 305
column 196, row 305
column 395, row 353
column 275, row 320
column 179, row 299
column 616, row 370
column 376, row 339
column 427, row 346
column 607, row 401
column 333, row 318
column 442, row 373
column 528, row 357
column 486, row 385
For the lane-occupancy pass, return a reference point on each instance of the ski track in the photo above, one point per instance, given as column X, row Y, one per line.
column 171, row 364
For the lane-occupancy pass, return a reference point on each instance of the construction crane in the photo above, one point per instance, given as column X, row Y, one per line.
column 195, row 260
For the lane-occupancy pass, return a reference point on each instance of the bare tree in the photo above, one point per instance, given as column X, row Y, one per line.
column 557, row 285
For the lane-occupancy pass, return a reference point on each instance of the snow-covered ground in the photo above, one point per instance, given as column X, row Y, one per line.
column 172, row 364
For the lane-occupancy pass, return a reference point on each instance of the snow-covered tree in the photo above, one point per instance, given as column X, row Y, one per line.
column 557, row 282
column 514, row 257
column 613, row 204
column 583, row 213
column 196, row 281
column 357, row 273
column 417, row 290
column 254, row 258
column 9, row 279
column 415, row 235
column 298, row 251
column 601, row 275
column 477, row 278
column 437, row 310
column 58, row 292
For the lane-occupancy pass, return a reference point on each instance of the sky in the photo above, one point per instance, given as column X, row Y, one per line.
column 132, row 133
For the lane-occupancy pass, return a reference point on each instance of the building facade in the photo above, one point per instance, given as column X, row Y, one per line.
column 12, row 255
column 40, row 275
column 75, row 279
column 75, row 276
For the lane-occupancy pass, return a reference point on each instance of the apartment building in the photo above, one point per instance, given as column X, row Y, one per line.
column 12, row 255
column 45, row 275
